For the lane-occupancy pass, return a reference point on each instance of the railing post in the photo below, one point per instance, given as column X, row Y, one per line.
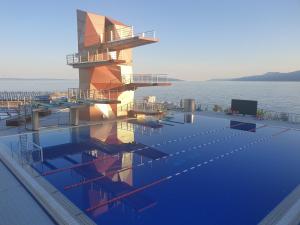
column 111, row 35
column 132, row 34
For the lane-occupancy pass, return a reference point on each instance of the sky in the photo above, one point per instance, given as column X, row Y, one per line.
column 199, row 39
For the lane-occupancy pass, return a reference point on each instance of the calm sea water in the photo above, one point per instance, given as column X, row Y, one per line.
column 277, row 96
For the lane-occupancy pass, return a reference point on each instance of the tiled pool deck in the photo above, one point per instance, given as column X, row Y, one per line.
column 17, row 206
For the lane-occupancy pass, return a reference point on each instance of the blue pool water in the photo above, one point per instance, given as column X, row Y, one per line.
column 180, row 170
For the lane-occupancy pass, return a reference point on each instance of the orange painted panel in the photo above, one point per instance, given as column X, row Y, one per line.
column 105, row 77
column 94, row 27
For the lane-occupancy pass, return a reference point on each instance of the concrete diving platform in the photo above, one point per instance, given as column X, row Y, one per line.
column 96, row 63
column 127, row 43
column 134, row 86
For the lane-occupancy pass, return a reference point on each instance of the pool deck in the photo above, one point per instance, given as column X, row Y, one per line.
column 18, row 206
column 251, row 119
column 61, row 210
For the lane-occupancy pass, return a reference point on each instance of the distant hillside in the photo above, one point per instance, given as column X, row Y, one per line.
column 174, row 79
column 271, row 76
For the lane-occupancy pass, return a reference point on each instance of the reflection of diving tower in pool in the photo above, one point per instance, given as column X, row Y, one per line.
column 104, row 60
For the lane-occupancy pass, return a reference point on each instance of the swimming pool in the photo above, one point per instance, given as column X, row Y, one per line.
column 183, row 169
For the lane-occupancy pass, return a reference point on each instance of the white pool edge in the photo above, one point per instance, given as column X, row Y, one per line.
column 287, row 212
column 61, row 210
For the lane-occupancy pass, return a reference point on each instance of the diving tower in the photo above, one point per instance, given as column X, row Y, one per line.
column 104, row 60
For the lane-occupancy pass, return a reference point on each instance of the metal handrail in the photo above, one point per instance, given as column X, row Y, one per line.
column 140, row 78
column 90, row 57
column 262, row 114
column 120, row 34
column 21, row 95
column 87, row 58
column 143, row 106
column 77, row 94
column 107, row 37
column 145, row 34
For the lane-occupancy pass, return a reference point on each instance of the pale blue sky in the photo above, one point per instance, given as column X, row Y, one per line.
column 199, row 39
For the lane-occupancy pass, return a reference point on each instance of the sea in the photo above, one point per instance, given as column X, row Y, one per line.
column 274, row 96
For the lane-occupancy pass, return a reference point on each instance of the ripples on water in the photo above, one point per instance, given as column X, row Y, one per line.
column 277, row 96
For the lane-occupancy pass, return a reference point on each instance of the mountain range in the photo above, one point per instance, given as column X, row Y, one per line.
column 270, row 76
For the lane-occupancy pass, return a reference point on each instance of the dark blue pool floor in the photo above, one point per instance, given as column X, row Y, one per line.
column 212, row 171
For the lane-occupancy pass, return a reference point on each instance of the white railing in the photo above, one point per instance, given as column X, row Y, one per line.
column 21, row 95
column 90, row 57
column 27, row 149
column 118, row 35
column 77, row 94
column 40, row 149
column 143, row 106
column 147, row 107
column 262, row 114
column 147, row 34
column 126, row 33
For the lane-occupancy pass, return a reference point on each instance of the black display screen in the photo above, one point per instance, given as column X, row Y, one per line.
column 245, row 107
